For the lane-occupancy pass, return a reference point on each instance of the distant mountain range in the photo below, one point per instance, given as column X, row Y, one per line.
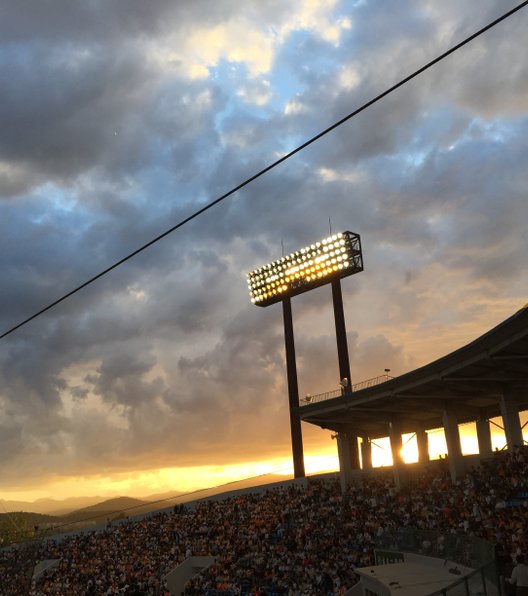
column 28, row 519
column 97, row 506
column 50, row 506
column 74, row 504
column 16, row 525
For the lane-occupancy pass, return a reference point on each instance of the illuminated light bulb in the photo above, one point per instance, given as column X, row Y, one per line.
column 252, row 300
column 312, row 246
column 340, row 235
column 334, row 238
column 347, row 263
column 334, row 261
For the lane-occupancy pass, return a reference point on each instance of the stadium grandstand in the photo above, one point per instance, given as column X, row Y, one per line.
column 446, row 529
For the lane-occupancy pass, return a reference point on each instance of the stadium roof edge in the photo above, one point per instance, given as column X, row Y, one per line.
column 471, row 378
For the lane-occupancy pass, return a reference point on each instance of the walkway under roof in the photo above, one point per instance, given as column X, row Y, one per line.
column 470, row 381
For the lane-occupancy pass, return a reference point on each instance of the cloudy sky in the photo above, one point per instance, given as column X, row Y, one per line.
column 120, row 118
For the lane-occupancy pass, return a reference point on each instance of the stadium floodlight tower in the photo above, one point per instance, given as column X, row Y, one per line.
column 323, row 262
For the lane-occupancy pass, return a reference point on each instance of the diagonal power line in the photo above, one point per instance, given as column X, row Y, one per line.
column 269, row 167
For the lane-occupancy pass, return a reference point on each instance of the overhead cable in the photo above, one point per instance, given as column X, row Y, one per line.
column 268, row 168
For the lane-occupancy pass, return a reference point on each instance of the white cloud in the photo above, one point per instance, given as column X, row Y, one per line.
column 349, row 77
column 294, row 106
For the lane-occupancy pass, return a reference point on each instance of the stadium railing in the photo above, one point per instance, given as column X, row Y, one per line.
column 470, row 551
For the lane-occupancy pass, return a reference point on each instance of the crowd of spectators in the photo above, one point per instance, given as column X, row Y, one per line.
column 292, row 540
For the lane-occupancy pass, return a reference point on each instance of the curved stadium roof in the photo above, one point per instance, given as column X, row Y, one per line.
column 470, row 380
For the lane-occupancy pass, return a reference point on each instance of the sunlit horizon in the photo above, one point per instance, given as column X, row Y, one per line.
column 195, row 479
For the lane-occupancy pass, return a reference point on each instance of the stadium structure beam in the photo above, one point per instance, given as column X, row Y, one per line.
column 484, row 435
column 422, row 441
column 510, row 416
column 398, row 465
column 454, row 448
column 366, row 453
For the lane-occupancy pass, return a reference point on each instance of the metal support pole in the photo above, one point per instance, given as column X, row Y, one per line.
column 293, row 391
column 342, row 346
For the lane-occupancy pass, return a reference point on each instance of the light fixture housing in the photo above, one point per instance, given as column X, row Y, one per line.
column 334, row 257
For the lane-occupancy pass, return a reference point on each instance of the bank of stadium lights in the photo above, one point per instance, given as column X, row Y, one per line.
column 332, row 258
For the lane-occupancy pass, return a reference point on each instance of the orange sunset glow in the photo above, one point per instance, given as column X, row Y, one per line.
column 192, row 480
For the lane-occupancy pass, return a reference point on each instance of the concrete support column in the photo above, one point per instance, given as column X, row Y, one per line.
column 398, row 466
column 484, row 436
column 422, row 441
column 454, row 449
column 510, row 418
column 353, row 449
column 345, row 467
column 366, row 453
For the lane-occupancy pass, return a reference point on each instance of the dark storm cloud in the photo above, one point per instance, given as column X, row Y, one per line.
column 61, row 114
column 30, row 20
column 85, row 94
